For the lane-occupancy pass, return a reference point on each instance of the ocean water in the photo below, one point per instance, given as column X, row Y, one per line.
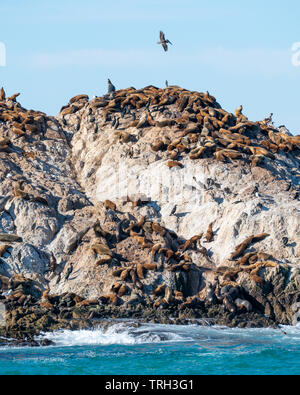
column 159, row 350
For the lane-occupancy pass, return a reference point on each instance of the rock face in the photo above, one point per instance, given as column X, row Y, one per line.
column 151, row 197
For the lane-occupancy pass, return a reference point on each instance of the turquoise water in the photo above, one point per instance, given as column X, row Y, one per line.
column 160, row 349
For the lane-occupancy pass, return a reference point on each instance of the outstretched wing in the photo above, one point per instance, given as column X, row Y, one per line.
column 162, row 36
column 165, row 47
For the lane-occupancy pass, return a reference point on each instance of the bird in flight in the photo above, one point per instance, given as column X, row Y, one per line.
column 164, row 42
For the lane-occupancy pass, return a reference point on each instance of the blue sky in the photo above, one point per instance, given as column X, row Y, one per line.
column 240, row 51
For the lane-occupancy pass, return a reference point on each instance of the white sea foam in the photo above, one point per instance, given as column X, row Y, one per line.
column 124, row 334
column 115, row 334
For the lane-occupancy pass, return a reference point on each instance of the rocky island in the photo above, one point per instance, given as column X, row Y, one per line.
column 152, row 204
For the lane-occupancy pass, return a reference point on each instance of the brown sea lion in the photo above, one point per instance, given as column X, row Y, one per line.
column 110, row 205
column 101, row 249
column 209, row 234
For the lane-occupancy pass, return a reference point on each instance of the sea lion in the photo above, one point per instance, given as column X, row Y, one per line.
column 164, row 123
column 125, row 273
column 66, row 111
column 209, row 234
column 159, row 290
column 3, row 249
column 260, row 237
column 252, row 259
column 140, row 271
column 268, row 120
column 29, row 155
column 241, row 248
column 122, row 290
column 110, row 205
column 229, row 304
column 120, row 235
column 101, row 249
column 104, row 261
column 133, row 276
column 245, row 259
column 18, row 132
column 238, row 111
column 143, row 241
column 269, row 264
column 99, row 232
column 168, row 295
column 150, row 266
column 13, row 97
column 158, row 229
column 159, row 146
column 118, row 272
column 257, row 279
column 230, row 291
column 264, row 256
column 174, row 163
column 243, row 304
column 79, row 97
column 10, row 238
column 210, row 294
column 190, row 243
column 4, row 142
column 179, row 295
column 115, row 287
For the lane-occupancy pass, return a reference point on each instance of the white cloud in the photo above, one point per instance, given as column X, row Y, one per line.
column 240, row 61
column 252, row 60
column 90, row 57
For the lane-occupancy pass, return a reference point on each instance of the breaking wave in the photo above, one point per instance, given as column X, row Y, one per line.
column 131, row 334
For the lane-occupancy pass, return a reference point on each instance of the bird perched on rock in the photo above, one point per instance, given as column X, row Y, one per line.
column 285, row 241
column 173, row 212
column 52, row 262
column 164, row 42
column 148, row 104
column 113, row 122
column 2, row 94
column 69, row 271
column 111, row 87
column 123, row 112
column 117, row 123
column 143, row 121
column 127, row 110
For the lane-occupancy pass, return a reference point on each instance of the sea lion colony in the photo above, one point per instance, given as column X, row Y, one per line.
column 188, row 125
column 195, row 125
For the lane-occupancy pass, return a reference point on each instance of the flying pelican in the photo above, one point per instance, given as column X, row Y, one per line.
column 164, row 42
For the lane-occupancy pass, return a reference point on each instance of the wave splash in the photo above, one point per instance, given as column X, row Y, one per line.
column 115, row 334
column 131, row 334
